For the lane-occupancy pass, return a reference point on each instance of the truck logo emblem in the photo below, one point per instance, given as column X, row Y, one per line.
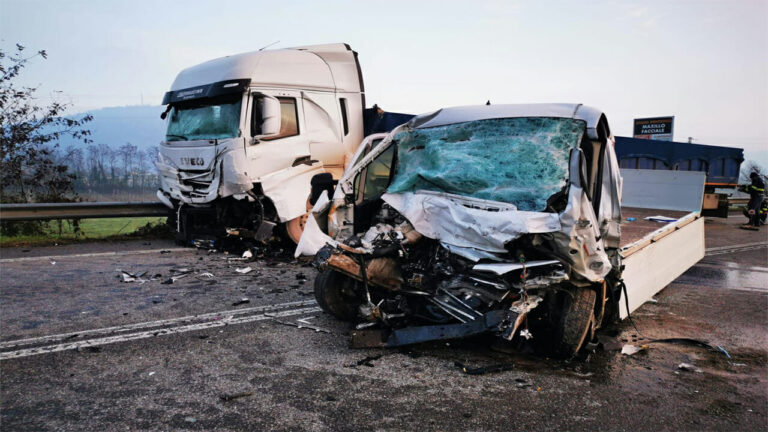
column 193, row 161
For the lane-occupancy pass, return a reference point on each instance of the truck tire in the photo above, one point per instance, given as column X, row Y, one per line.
column 335, row 294
column 577, row 319
column 295, row 227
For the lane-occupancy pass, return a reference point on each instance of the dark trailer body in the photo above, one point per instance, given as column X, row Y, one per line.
column 722, row 165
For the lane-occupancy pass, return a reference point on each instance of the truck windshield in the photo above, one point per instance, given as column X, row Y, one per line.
column 205, row 119
column 521, row 161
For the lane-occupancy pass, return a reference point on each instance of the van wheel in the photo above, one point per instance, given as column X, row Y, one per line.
column 335, row 293
column 577, row 319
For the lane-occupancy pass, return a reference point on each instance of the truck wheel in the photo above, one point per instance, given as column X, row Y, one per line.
column 335, row 293
column 577, row 319
column 294, row 227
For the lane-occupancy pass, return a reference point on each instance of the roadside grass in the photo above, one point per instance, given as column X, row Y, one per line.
column 63, row 232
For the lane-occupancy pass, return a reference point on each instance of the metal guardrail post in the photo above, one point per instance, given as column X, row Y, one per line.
column 80, row 210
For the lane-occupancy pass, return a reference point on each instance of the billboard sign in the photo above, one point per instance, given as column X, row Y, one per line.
column 654, row 128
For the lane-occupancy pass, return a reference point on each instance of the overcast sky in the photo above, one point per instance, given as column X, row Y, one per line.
column 705, row 62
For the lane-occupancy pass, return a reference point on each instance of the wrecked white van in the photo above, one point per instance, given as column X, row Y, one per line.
column 502, row 218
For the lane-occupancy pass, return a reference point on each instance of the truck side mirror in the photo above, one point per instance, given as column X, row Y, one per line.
column 265, row 119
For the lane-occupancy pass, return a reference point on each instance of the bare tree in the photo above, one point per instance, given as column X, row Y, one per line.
column 749, row 167
column 127, row 153
column 29, row 135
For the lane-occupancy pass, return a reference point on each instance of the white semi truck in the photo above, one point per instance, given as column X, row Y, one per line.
column 246, row 133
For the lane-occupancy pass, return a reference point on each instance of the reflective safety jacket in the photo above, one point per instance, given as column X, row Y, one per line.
column 757, row 187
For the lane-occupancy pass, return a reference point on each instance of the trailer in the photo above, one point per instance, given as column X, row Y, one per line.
column 720, row 164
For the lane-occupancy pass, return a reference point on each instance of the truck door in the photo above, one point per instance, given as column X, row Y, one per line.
column 284, row 150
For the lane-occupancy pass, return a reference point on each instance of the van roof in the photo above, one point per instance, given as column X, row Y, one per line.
column 460, row 114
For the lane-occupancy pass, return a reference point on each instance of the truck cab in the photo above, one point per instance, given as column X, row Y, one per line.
column 247, row 132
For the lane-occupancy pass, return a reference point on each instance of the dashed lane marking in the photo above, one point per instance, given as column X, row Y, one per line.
column 94, row 254
column 26, row 352
column 721, row 250
column 211, row 316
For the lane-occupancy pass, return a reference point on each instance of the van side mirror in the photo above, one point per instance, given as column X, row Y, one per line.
column 265, row 118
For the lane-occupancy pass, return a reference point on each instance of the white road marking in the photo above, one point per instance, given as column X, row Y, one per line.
column 95, row 254
column 211, row 316
column 721, row 250
column 152, row 333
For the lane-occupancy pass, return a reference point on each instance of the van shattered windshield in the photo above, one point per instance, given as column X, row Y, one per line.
column 521, row 161
column 215, row 118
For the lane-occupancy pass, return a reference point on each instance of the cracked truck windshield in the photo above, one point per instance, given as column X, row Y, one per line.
column 207, row 119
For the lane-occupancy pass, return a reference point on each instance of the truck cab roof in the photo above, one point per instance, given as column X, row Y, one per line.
column 329, row 67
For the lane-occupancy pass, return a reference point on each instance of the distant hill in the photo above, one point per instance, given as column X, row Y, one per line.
column 139, row 125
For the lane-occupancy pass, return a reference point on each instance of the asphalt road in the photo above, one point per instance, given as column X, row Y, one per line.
column 81, row 350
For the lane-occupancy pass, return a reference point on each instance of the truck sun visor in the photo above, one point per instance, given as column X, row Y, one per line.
column 521, row 161
column 207, row 90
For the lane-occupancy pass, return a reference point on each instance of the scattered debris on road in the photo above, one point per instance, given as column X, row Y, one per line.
column 482, row 370
column 242, row 301
column 128, row 277
column 302, row 323
column 661, row 219
column 689, row 368
column 243, row 270
column 633, row 349
column 366, row 361
column 231, row 397
column 692, row 342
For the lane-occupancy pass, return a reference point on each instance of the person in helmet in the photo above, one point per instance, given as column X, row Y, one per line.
column 756, row 192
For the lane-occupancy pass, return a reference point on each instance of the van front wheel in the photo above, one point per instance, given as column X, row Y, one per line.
column 576, row 320
column 335, row 294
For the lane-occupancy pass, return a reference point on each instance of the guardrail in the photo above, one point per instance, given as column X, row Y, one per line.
column 93, row 210
column 737, row 201
column 80, row 210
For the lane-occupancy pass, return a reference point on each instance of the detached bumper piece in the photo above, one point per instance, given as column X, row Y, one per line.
column 493, row 321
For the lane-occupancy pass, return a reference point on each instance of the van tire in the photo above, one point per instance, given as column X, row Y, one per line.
column 577, row 320
column 335, row 294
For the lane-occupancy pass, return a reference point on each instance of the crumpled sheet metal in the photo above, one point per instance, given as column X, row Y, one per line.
column 443, row 218
column 289, row 189
column 313, row 238
column 381, row 272
column 224, row 171
column 578, row 242
column 574, row 233
column 610, row 206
